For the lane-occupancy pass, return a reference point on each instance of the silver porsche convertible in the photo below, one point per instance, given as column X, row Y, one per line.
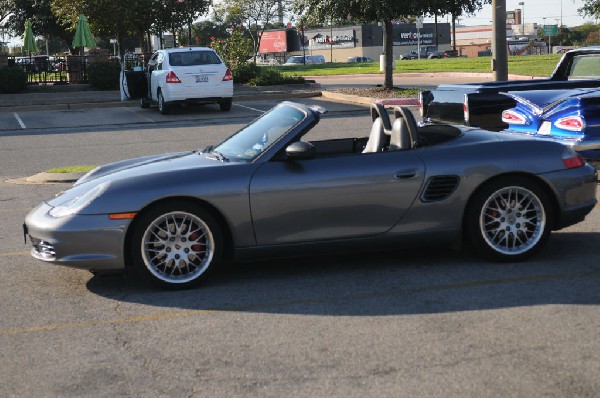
column 269, row 191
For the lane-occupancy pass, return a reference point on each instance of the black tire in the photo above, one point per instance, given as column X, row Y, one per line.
column 509, row 219
column 144, row 103
column 176, row 245
column 225, row 104
column 163, row 107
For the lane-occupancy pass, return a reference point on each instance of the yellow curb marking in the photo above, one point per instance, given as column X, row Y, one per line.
column 13, row 254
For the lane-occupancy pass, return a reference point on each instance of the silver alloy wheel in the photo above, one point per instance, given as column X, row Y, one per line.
column 177, row 247
column 512, row 220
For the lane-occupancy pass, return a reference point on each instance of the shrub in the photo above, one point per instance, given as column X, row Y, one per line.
column 270, row 76
column 12, row 80
column 245, row 72
column 104, row 75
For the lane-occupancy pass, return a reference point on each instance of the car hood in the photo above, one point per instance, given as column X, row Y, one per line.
column 149, row 164
column 135, row 175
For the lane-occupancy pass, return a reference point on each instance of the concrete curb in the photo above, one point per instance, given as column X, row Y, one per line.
column 368, row 100
column 44, row 178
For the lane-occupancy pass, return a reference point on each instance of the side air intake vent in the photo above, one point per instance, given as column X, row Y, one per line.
column 439, row 188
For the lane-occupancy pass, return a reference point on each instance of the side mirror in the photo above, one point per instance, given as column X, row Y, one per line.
column 300, row 150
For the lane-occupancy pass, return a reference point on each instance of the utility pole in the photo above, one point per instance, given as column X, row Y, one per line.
column 499, row 51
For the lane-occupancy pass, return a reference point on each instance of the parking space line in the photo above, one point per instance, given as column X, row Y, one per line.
column 14, row 210
column 248, row 107
column 19, row 120
column 138, row 114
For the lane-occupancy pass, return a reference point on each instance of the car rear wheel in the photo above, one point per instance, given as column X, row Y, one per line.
column 509, row 219
column 225, row 104
column 176, row 244
column 163, row 107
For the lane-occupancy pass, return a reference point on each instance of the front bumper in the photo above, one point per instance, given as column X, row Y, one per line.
column 92, row 242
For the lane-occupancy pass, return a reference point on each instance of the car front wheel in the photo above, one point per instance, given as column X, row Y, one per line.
column 509, row 219
column 176, row 244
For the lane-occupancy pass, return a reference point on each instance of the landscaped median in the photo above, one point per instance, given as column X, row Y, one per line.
column 526, row 65
column 368, row 96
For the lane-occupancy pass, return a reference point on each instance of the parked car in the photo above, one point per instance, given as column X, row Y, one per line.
column 359, row 59
column 571, row 117
column 427, row 52
column 262, row 60
column 481, row 104
column 304, row 59
column 272, row 189
column 189, row 74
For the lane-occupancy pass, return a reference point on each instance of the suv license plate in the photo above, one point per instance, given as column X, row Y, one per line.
column 545, row 128
column 201, row 78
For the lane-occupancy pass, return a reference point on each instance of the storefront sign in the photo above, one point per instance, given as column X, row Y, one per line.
column 407, row 35
column 320, row 40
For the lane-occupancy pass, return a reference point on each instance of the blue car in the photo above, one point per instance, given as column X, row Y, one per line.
column 571, row 117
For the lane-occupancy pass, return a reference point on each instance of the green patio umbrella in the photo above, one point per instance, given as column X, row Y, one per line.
column 29, row 45
column 83, row 36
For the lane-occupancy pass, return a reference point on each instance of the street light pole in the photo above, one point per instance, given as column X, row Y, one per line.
column 522, row 4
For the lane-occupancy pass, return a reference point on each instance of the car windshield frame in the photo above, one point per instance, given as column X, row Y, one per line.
column 249, row 143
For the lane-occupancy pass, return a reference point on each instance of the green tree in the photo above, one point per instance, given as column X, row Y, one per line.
column 234, row 50
column 591, row 8
column 364, row 11
column 43, row 21
column 256, row 15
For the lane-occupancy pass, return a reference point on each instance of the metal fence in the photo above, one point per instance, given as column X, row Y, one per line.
column 52, row 70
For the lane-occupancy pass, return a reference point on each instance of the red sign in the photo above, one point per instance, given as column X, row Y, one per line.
column 273, row 42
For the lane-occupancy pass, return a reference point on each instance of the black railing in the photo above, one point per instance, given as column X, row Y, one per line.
column 52, row 70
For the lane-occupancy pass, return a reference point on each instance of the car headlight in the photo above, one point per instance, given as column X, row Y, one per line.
column 75, row 204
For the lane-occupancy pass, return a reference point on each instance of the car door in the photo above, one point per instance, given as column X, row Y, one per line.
column 333, row 197
column 155, row 73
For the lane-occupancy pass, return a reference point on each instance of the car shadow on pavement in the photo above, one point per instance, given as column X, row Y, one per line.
column 566, row 271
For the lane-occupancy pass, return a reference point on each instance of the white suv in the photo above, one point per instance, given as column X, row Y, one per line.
column 188, row 74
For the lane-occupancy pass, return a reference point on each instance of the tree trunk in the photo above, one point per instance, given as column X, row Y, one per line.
column 389, row 54
column 454, row 31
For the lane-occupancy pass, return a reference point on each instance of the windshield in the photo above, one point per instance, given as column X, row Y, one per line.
column 248, row 143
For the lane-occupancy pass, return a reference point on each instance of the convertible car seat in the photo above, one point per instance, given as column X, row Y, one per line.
column 404, row 130
column 377, row 138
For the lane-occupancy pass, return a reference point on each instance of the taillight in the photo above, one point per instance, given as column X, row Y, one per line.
column 512, row 117
column 466, row 110
column 570, row 123
column 420, row 103
column 228, row 76
column 572, row 159
column 172, row 78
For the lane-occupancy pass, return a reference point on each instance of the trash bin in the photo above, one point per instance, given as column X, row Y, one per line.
column 137, row 84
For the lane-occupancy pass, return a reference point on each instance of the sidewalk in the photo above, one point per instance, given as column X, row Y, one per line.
column 80, row 96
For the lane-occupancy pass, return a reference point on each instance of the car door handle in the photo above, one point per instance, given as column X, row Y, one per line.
column 405, row 174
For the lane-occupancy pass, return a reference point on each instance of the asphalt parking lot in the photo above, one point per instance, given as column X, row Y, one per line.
column 416, row 323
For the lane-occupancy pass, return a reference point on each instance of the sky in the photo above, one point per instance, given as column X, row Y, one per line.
column 534, row 11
